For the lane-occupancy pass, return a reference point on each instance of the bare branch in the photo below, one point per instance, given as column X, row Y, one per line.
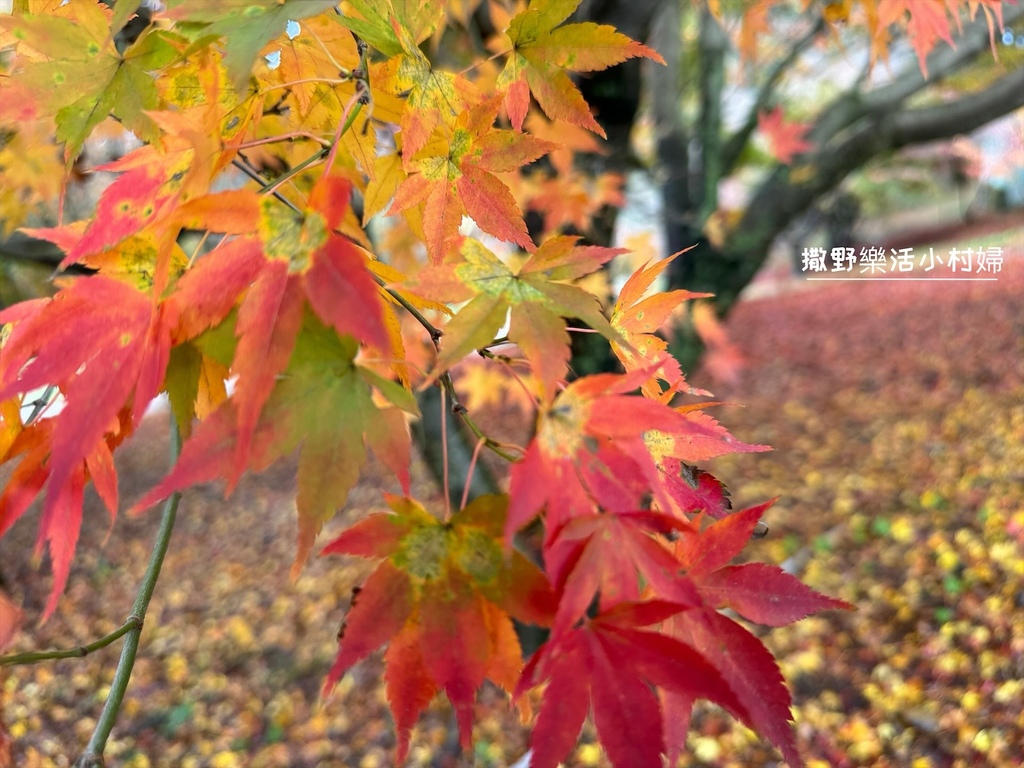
column 734, row 145
column 853, row 105
column 779, row 199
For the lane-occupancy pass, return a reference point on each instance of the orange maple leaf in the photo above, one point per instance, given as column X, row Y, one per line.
column 926, row 22
column 532, row 295
column 784, row 139
column 443, row 597
column 638, row 318
column 454, row 174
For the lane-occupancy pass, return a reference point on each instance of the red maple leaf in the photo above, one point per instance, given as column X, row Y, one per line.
column 597, row 442
column 785, row 140
column 608, row 664
column 294, row 259
column 604, row 554
column 762, row 593
column 61, row 521
column 121, row 370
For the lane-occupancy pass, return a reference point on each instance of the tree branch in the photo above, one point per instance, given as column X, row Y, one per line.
column 853, row 105
column 940, row 62
column 734, row 145
column 779, row 199
column 916, row 126
column 93, row 755
column 33, row 657
column 712, row 44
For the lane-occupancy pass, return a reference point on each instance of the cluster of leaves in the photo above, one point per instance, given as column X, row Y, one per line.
column 924, row 22
column 320, row 337
column 924, row 670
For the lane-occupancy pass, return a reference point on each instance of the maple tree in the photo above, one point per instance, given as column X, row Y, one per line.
column 865, row 77
column 325, row 332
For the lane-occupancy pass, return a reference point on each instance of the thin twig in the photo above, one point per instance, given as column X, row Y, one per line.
column 444, row 456
column 93, row 755
column 459, row 409
column 469, row 472
column 42, row 403
column 33, row 657
column 293, row 136
column 295, row 170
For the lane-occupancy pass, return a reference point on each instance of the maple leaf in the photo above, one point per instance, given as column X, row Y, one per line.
column 322, row 402
column 484, row 384
column 571, row 140
column 572, row 199
column 433, row 96
column 926, row 22
column 372, row 21
column 754, row 27
column 245, row 25
column 542, row 53
column 759, row 592
column 195, row 385
column 30, row 172
column 61, row 520
column 604, row 554
column 128, row 333
column 314, row 52
column 785, row 140
column 296, row 258
column 454, row 174
column 531, row 293
column 637, row 319
column 595, row 442
column 80, row 78
column 608, row 664
column 443, row 597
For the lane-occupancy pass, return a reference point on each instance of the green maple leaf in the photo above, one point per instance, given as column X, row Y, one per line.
column 538, row 303
column 81, row 78
column 379, row 22
column 322, row 404
column 245, row 25
column 544, row 52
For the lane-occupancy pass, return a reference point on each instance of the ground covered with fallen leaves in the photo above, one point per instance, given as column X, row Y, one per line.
column 897, row 415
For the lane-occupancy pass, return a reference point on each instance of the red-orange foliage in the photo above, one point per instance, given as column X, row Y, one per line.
column 293, row 304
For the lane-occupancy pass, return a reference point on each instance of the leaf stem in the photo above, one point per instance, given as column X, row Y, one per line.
column 446, row 379
column 93, row 755
column 33, row 657
column 293, row 136
column 458, row 408
column 42, row 403
column 433, row 330
column 294, row 171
